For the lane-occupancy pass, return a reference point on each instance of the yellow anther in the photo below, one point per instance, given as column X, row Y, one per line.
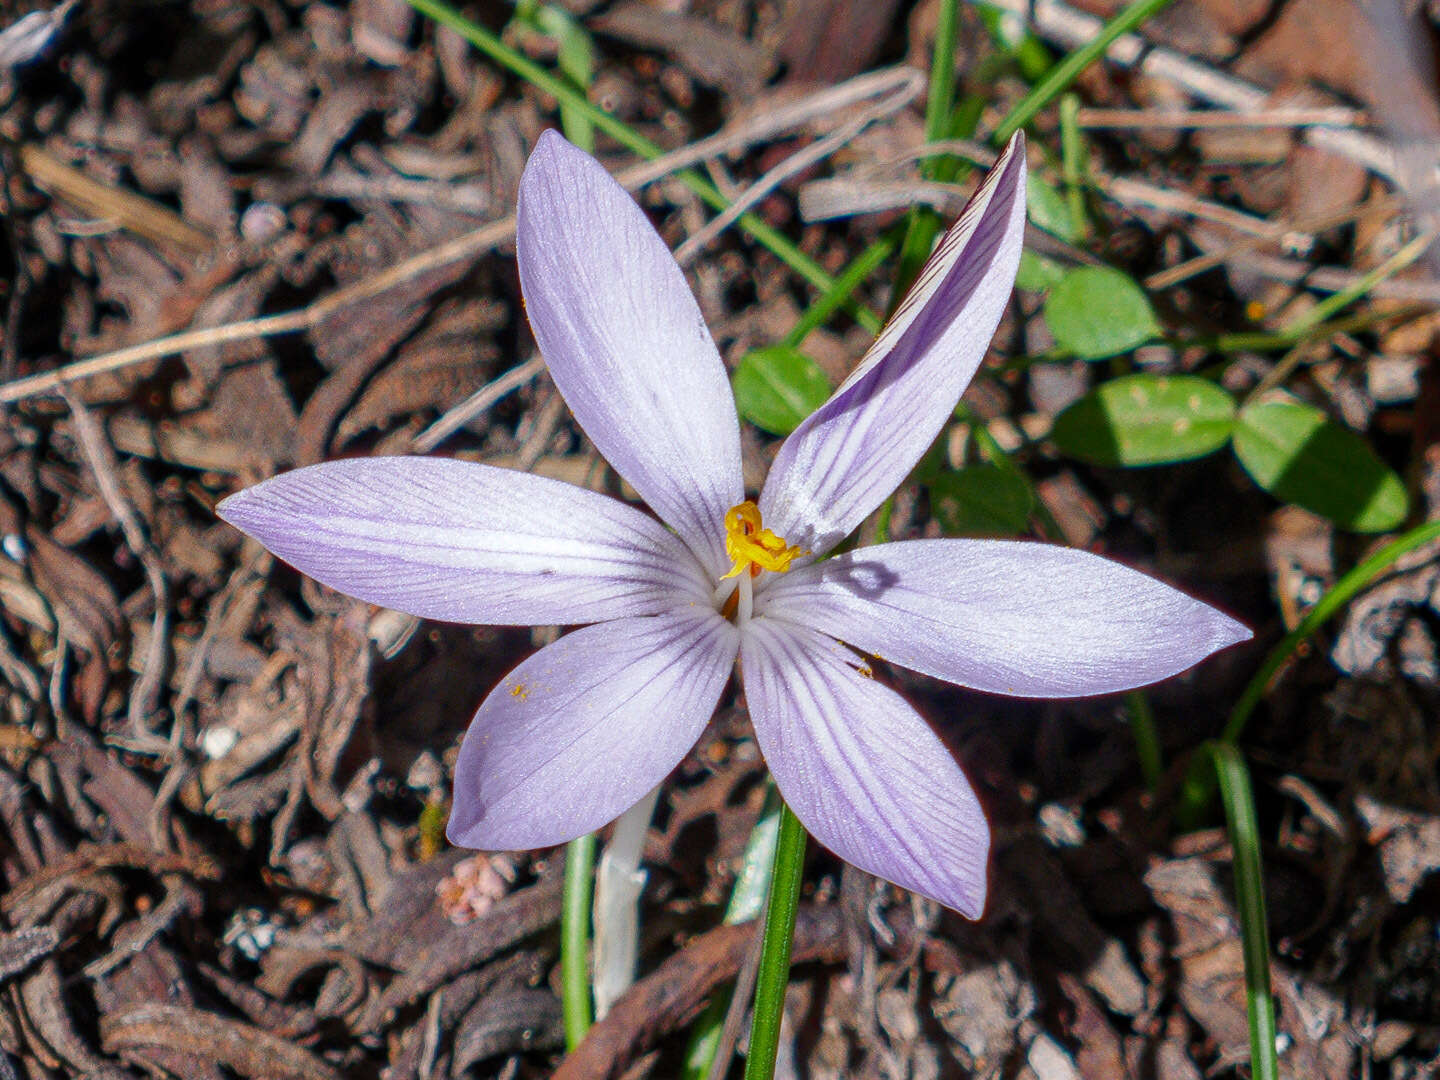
column 753, row 547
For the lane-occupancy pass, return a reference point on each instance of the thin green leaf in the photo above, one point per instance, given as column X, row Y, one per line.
column 1146, row 420
column 980, row 500
column 777, row 387
column 1239, row 803
column 1296, row 454
column 1097, row 311
column 1064, row 73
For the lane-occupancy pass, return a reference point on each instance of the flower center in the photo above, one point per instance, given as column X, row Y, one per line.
column 753, row 547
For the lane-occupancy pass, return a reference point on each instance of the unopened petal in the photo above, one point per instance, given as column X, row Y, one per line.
column 467, row 543
column 860, row 768
column 1007, row 617
column 575, row 735
column 857, row 448
column 626, row 344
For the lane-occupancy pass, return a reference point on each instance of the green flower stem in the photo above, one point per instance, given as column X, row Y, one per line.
column 1239, row 803
column 1198, row 787
column 1064, row 73
column 747, row 901
column 774, row 973
column 575, row 938
column 632, row 140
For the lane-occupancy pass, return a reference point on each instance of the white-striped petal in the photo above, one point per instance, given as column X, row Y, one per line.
column 857, row 448
column 468, row 543
column 860, row 768
column 574, row 736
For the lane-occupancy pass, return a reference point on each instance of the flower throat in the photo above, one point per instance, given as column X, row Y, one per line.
column 754, row 548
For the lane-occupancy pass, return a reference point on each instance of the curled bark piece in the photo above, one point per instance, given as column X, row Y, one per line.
column 241, row 1047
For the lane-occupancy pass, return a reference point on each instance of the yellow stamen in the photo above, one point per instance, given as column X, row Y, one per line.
column 753, row 547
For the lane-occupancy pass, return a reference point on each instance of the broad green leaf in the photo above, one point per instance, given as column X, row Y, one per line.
column 1096, row 311
column 1050, row 210
column 777, row 387
column 983, row 500
column 1146, row 420
column 1037, row 272
column 1296, row 454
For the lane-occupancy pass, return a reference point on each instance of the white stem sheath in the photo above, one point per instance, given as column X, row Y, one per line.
column 618, row 884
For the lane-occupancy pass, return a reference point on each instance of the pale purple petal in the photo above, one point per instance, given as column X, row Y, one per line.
column 858, row 447
column 575, row 735
column 860, row 768
column 468, row 543
column 1007, row 617
column 626, row 344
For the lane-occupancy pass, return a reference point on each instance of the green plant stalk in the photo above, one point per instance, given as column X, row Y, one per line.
column 1270, row 341
column 774, row 974
column 883, row 517
column 747, row 901
column 853, row 276
column 575, row 60
column 1147, row 741
column 923, row 223
column 1320, row 320
column 1239, row 800
column 559, row 88
column 1073, row 163
column 1335, row 302
column 1064, row 73
column 575, row 938
column 1196, row 792
column 940, row 101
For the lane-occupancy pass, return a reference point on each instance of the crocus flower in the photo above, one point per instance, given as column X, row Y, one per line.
column 585, row 727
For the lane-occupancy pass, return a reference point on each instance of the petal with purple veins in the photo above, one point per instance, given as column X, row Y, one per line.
column 860, row 768
column 626, row 343
column 468, row 543
column 574, row 736
column 1007, row 617
column 857, row 448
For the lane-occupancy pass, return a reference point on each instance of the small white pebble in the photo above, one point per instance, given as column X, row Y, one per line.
column 1060, row 825
column 262, row 221
column 216, row 742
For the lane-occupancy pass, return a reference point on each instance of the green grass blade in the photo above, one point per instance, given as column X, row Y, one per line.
column 1239, row 802
column 924, row 223
column 1195, row 795
column 1064, row 73
column 850, row 279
